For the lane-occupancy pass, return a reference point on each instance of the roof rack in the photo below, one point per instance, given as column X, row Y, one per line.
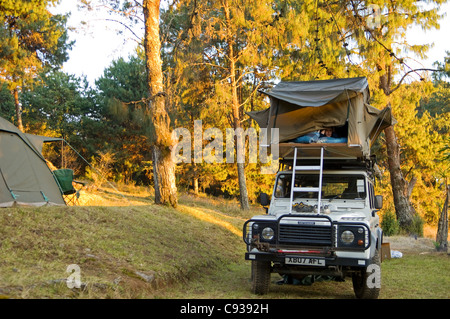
column 334, row 156
column 331, row 150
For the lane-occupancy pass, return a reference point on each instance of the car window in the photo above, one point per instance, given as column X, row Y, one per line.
column 333, row 186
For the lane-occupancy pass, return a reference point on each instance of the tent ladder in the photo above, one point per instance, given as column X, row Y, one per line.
column 296, row 168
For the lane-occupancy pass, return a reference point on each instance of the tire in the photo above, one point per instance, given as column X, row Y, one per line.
column 260, row 277
column 367, row 282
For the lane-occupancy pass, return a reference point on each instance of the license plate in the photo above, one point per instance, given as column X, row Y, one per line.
column 305, row 261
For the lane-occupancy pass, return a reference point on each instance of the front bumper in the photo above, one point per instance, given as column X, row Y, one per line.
column 330, row 261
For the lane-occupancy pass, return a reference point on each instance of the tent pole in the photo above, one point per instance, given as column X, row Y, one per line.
column 62, row 153
column 348, row 105
column 274, row 122
column 6, row 184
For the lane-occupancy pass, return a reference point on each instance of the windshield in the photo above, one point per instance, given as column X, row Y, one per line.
column 333, row 186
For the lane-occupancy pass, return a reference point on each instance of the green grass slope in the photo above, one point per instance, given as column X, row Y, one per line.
column 121, row 252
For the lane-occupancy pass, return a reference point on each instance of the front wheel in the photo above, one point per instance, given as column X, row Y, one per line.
column 260, row 277
column 367, row 282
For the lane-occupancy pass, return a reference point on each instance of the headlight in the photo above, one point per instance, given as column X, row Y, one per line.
column 352, row 236
column 347, row 237
column 267, row 233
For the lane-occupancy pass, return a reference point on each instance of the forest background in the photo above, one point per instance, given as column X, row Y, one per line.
column 215, row 57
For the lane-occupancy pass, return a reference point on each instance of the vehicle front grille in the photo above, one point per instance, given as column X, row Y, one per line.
column 305, row 234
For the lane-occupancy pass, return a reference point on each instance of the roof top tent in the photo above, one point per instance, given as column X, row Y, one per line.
column 299, row 108
column 25, row 178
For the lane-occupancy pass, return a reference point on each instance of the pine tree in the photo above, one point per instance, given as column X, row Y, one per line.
column 163, row 165
column 239, row 42
column 31, row 38
column 358, row 38
column 376, row 44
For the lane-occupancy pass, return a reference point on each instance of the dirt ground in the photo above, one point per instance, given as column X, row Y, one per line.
column 410, row 244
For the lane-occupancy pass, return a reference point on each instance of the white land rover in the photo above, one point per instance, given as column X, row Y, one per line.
column 334, row 234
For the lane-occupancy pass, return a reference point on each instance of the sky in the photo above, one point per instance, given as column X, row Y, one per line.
column 98, row 44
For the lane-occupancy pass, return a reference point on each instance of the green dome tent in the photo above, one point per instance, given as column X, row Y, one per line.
column 25, row 178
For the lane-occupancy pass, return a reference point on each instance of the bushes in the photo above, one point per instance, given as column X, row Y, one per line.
column 416, row 227
column 100, row 169
column 391, row 226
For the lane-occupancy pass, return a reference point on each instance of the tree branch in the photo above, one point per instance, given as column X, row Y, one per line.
column 138, row 39
column 250, row 95
column 404, row 76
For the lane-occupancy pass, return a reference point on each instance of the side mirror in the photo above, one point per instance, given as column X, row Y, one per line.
column 264, row 199
column 378, row 201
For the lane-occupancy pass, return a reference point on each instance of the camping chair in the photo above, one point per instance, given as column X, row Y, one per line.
column 66, row 183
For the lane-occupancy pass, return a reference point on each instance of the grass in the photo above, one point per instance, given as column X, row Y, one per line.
column 418, row 276
column 412, row 277
column 111, row 245
column 127, row 247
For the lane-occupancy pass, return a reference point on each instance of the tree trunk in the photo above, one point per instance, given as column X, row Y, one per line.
column 163, row 165
column 243, row 194
column 18, row 108
column 399, row 186
column 164, row 179
column 243, row 199
column 442, row 232
column 195, row 178
column 403, row 208
column 194, row 167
